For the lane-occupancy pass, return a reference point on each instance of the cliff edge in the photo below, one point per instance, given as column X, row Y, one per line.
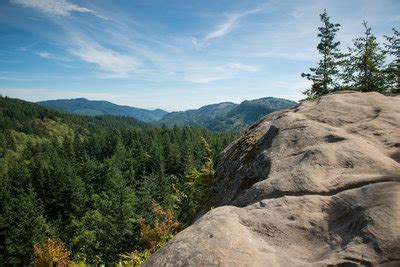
column 318, row 184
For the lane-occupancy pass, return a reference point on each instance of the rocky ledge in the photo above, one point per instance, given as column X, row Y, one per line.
column 318, row 184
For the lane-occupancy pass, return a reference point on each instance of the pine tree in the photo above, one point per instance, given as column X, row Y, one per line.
column 393, row 69
column 364, row 64
column 324, row 76
column 23, row 225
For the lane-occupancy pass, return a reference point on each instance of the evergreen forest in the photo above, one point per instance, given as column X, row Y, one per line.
column 96, row 190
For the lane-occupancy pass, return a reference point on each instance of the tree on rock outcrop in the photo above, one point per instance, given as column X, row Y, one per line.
column 324, row 77
column 363, row 68
column 393, row 69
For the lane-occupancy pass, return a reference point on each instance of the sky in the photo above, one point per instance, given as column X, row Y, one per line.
column 171, row 54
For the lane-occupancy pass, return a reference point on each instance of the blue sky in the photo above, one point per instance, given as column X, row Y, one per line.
column 170, row 54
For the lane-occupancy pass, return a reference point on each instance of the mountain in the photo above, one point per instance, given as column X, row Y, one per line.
column 315, row 185
column 227, row 116
column 84, row 106
column 25, row 116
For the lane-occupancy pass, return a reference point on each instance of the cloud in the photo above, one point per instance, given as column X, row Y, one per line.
column 44, row 54
column 48, row 55
column 115, row 63
column 242, row 67
column 223, row 28
column 207, row 74
column 227, row 26
column 118, row 49
column 54, row 7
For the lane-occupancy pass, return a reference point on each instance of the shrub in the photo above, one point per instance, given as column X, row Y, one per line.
column 51, row 254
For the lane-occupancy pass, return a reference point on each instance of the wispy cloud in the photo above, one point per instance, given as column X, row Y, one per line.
column 224, row 28
column 117, row 49
column 207, row 74
column 54, row 7
column 44, row 54
column 227, row 26
column 48, row 55
column 240, row 52
column 116, row 63
column 27, row 47
column 243, row 67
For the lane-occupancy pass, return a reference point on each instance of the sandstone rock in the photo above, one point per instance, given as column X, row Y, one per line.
column 318, row 185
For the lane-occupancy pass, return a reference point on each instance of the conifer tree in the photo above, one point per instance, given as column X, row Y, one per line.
column 324, row 76
column 393, row 69
column 24, row 225
column 363, row 70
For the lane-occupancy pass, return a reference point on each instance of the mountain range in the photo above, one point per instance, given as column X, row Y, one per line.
column 225, row 116
column 83, row 106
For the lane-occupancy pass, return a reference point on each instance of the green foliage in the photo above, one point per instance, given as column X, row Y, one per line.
column 191, row 194
column 393, row 69
column 22, row 224
column 200, row 180
column 86, row 181
column 324, row 77
column 89, row 233
column 363, row 69
column 135, row 258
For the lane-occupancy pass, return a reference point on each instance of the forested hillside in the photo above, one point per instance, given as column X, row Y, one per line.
column 99, row 189
column 84, row 106
column 227, row 116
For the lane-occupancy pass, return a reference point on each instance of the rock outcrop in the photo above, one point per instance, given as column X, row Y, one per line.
column 318, row 185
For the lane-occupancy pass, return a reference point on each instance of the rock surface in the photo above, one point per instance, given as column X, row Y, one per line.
column 317, row 185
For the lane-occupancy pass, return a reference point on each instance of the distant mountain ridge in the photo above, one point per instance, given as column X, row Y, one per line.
column 83, row 106
column 227, row 116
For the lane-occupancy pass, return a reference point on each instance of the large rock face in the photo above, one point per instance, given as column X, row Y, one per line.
column 318, row 184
